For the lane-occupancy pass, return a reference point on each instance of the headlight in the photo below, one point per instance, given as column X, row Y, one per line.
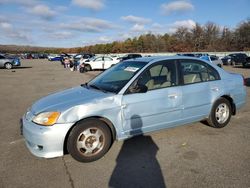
column 46, row 118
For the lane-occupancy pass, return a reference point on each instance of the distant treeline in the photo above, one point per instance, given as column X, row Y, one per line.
column 209, row 37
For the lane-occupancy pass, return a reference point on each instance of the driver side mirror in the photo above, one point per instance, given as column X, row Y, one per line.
column 138, row 88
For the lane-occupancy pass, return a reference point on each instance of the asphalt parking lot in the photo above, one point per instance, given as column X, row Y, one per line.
column 187, row 156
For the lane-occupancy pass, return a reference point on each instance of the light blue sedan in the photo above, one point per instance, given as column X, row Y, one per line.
column 133, row 97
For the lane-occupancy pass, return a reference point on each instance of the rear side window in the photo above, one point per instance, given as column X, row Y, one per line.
column 193, row 71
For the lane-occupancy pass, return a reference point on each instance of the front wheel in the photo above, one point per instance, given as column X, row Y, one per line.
column 89, row 140
column 220, row 114
column 8, row 65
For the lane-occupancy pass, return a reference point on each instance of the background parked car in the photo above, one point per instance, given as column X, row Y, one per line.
column 55, row 58
column 216, row 60
column 211, row 58
column 235, row 59
column 226, row 60
column 193, row 54
column 129, row 56
column 9, row 62
column 101, row 62
column 77, row 57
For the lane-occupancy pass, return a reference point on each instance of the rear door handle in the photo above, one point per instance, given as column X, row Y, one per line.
column 215, row 89
column 172, row 96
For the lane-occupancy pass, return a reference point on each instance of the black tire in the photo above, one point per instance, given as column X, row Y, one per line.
column 83, row 142
column 220, row 114
column 8, row 66
column 233, row 63
column 82, row 70
column 87, row 68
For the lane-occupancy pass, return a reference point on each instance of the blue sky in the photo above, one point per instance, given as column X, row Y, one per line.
column 74, row 23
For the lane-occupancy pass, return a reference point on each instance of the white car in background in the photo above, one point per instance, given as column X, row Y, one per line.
column 97, row 63
column 213, row 59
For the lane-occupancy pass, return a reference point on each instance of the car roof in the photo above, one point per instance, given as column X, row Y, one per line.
column 162, row 58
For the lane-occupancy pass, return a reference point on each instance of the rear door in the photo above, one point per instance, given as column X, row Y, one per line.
column 201, row 84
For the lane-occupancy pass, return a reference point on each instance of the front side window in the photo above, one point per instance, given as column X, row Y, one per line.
column 107, row 59
column 99, row 59
column 160, row 75
column 193, row 71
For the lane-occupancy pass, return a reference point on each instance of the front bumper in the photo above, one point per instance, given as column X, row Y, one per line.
column 47, row 142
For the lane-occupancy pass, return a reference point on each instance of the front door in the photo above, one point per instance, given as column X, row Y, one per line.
column 159, row 107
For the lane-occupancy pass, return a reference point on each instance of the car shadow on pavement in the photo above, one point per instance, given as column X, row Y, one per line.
column 22, row 68
column 137, row 165
column 241, row 67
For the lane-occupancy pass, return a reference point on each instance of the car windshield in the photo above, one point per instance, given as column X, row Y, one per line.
column 115, row 78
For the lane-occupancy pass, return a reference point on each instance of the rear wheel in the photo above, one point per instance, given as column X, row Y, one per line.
column 220, row 114
column 89, row 140
column 82, row 69
column 8, row 65
column 87, row 68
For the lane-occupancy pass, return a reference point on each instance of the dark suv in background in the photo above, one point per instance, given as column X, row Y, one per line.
column 236, row 59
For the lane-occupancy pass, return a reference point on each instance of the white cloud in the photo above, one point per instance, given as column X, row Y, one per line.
column 86, row 24
column 185, row 23
column 136, row 20
column 7, row 31
column 43, row 11
column 5, row 25
column 176, row 6
column 61, row 35
column 20, row 2
column 138, row 28
column 157, row 26
column 105, row 39
column 189, row 24
column 89, row 4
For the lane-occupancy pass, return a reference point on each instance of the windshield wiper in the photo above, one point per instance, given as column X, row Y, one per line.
column 98, row 88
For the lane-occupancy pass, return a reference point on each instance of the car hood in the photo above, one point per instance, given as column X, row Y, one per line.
column 63, row 100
